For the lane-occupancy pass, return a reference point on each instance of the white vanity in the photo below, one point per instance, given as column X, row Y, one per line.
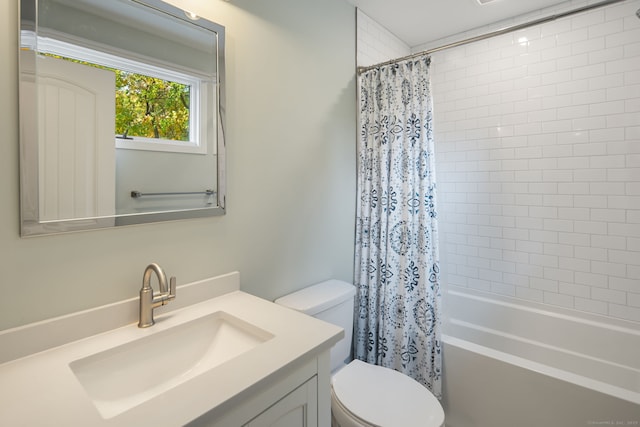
column 216, row 356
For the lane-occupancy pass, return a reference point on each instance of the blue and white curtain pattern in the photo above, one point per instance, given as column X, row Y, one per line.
column 397, row 319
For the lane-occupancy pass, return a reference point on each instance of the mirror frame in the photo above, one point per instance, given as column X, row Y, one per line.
column 30, row 228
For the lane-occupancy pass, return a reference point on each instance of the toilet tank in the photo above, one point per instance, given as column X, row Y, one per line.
column 333, row 302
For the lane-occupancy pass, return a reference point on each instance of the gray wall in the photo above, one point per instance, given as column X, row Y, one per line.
column 147, row 172
column 291, row 173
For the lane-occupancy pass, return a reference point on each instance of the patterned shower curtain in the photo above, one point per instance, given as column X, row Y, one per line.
column 397, row 321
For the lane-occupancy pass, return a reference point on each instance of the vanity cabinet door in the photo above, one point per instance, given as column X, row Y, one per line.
column 297, row 409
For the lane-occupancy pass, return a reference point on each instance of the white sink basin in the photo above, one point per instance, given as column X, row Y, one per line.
column 122, row 377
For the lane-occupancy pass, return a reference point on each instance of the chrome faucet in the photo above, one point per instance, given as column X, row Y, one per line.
column 147, row 300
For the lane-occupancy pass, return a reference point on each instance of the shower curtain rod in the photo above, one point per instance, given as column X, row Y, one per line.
column 493, row 33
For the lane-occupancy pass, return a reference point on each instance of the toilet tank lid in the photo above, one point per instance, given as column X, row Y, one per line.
column 319, row 297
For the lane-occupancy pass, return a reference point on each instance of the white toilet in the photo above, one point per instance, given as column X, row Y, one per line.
column 363, row 395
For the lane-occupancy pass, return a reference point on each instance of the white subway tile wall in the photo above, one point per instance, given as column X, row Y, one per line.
column 376, row 44
column 538, row 162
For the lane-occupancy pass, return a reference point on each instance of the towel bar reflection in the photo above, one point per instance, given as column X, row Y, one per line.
column 137, row 194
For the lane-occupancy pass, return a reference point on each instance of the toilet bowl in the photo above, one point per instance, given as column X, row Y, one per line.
column 362, row 394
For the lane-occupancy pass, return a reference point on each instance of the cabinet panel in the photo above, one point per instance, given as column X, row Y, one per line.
column 298, row 396
column 297, row 409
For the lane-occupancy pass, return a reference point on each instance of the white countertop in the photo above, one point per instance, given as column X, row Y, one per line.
column 41, row 389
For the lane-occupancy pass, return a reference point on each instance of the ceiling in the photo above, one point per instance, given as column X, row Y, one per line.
column 418, row 22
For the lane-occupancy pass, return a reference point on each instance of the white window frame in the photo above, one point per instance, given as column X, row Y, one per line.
column 198, row 96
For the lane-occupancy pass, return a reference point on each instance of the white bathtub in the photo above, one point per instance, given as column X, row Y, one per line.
column 511, row 364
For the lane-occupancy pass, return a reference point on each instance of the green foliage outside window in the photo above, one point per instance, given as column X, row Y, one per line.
column 151, row 107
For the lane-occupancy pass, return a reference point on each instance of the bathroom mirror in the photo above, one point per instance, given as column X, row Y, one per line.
column 121, row 114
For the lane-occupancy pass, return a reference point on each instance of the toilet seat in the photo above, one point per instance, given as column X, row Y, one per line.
column 377, row 396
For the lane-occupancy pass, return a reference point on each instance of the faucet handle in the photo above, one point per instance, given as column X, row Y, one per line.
column 172, row 288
